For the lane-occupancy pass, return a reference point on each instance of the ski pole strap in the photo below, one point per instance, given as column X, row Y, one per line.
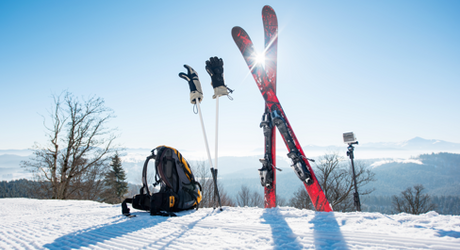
column 195, row 108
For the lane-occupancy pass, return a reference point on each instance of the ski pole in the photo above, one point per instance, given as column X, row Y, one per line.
column 204, row 135
column 216, row 143
column 215, row 68
column 217, row 134
column 196, row 96
column 213, row 171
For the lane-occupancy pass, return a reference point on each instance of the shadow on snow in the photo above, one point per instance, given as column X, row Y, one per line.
column 450, row 233
column 327, row 232
column 105, row 235
column 282, row 234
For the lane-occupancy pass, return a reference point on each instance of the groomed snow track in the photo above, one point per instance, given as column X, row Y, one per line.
column 51, row 224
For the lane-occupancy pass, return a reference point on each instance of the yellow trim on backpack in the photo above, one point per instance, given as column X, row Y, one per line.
column 172, row 201
column 187, row 168
column 183, row 161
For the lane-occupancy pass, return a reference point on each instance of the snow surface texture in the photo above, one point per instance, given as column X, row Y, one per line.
column 56, row 224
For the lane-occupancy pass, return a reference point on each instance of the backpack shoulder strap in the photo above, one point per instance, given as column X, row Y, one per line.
column 145, row 184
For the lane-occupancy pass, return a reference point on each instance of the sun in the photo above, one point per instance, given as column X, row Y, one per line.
column 260, row 58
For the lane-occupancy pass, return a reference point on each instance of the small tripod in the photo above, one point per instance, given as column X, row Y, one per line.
column 356, row 195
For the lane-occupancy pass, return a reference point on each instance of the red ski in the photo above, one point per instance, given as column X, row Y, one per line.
column 268, row 170
column 300, row 164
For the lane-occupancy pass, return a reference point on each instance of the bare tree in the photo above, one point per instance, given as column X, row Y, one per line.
column 256, row 199
column 301, row 199
column 225, row 199
column 243, row 197
column 413, row 201
column 133, row 190
column 246, row 197
column 203, row 176
column 78, row 151
column 281, row 201
column 336, row 179
column 88, row 185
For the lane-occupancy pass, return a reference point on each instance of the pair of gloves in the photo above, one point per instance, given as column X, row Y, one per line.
column 215, row 68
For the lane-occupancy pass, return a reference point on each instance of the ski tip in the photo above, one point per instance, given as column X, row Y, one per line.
column 268, row 9
column 236, row 30
column 239, row 33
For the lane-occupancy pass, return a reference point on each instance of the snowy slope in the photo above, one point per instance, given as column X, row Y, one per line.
column 52, row 224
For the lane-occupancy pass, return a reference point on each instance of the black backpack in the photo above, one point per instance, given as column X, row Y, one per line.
column 178, row 189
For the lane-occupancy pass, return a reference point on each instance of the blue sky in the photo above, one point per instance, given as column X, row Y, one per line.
column 387, row 70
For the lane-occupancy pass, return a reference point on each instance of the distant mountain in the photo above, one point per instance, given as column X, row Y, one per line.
column 10, row 167
column 403, row 149
column 20, row 152
column 439, row 173
column 397, row 165
column 416, row 143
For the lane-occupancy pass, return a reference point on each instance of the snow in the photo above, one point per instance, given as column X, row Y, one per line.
column 57, row 224
column 134, row 157
column 382, row 162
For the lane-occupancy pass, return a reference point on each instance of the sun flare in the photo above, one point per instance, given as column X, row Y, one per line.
column 260, row 58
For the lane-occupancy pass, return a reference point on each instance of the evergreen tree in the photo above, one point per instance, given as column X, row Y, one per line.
column 24, row 188
column 115, row 181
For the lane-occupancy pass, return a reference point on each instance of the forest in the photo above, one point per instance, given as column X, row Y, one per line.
column 448, row 205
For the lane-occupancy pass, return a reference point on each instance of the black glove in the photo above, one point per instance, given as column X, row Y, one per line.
column 194, row 83
column 215, row 68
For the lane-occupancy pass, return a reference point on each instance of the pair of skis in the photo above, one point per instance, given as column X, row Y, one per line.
column 266, row 81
